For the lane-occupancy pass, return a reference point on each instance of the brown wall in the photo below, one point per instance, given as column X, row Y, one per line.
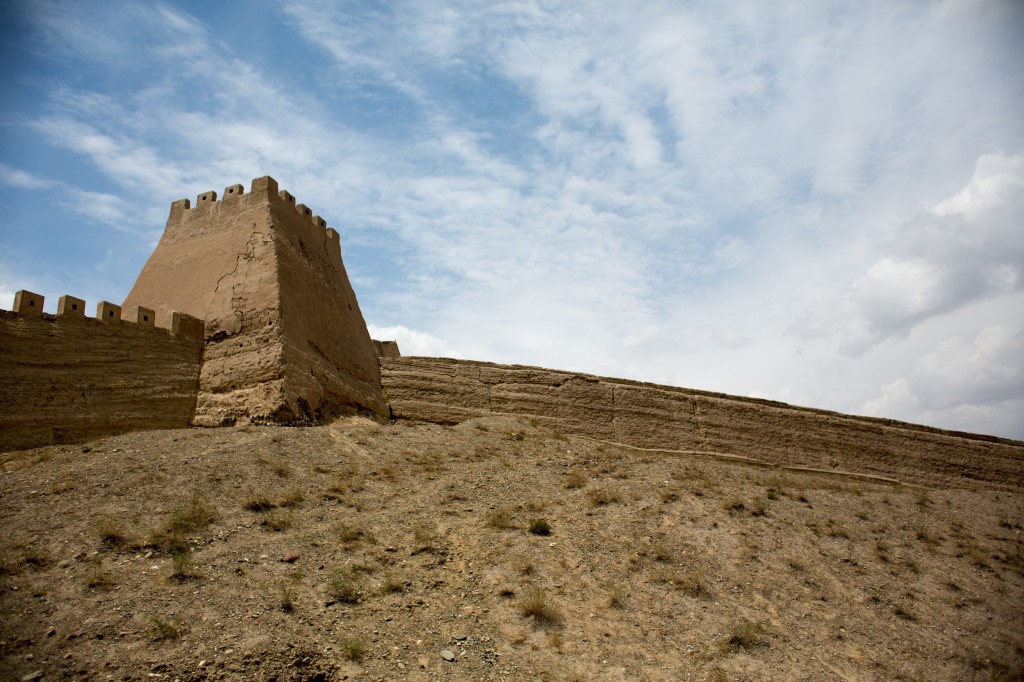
column 65, row 380
column 652, row 416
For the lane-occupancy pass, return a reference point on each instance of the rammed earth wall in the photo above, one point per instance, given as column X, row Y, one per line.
column 69, row 378
column 664, row 417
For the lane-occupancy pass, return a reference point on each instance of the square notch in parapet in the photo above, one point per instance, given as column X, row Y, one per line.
column 108, row 312
column 233, row 191
column 69, row 306
column 27, row 303
column 206, row 198
column 144, row 317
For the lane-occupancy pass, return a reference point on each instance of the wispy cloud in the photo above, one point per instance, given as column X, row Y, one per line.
column 14, row 177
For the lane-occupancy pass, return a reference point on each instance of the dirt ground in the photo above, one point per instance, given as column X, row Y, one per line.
column 493, row 550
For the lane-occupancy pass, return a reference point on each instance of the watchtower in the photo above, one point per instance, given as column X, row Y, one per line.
column 285, row 339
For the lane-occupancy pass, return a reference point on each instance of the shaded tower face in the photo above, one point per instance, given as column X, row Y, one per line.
column 285, row 339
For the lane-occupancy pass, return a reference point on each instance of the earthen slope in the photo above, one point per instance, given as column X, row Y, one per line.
column 362, row 551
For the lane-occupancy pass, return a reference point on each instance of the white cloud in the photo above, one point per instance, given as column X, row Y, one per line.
column 968, row 247
column 985, row 369
column 896, row 400
column 412, row 342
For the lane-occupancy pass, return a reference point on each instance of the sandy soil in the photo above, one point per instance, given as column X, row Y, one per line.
column 363, row 551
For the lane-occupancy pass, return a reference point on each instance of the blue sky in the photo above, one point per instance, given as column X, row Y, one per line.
column 815, row 202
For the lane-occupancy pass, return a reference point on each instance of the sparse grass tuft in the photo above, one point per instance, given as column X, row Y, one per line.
column 735, row 506
column 281, row 468
column 759, row 507
column 502, row 517
column 97, row 577
column 536, row 604
column 164, row 629
column 343, row 585
column 928, row 537
column 661, row 552
column 616, row 598
column 183, row 566
column 351, row 535
column 258, row 501
column 425, row 539
column 113, row 535
column 670, row 494
column 602, row 495
column 392, row 584
column 352, row 649
column 34, row 557
column 540, row 527
column 277, row 522
column 188, row 517
column 691, row 582
column 292, row 498
column 745, row 634
column 286, row 597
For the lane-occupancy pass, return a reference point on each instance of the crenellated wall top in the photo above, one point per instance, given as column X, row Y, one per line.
column 265, row 187
column 30, row 304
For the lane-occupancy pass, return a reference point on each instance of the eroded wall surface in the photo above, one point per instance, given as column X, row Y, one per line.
column 651, row 416
column 65, row 380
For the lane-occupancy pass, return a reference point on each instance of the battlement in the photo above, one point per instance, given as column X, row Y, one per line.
column 386, row 349
column 263, row 189
column 29, row 304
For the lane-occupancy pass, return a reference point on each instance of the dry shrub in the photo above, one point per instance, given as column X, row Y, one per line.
column 343, row 585
column 602, row 495
column 536, row 604
column 745, row 634
column 502, row 517
column 576, row 479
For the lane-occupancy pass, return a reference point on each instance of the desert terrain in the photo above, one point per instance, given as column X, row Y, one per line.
column 498, row 549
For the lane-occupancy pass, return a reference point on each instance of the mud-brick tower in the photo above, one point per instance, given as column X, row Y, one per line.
column 285, row 339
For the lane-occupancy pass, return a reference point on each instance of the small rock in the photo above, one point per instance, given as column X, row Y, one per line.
column 459, row 636
column 51, row 632
column 448, row 656
column 291, row 556
column 64, row 564
column 31, row 677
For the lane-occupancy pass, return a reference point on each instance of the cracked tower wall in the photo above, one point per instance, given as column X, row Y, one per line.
column 285, row 339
